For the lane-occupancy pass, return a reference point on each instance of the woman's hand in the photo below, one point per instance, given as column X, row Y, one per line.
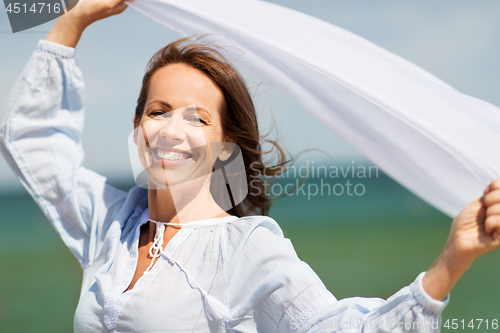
column 89, row 11
column 69, row 27
column 476, row 230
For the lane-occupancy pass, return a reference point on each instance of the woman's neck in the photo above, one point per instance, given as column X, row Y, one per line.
column 161, row 206
column 174, row 206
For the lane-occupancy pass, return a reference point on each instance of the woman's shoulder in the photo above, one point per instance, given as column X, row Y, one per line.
column 248, row 225
column 258, row 237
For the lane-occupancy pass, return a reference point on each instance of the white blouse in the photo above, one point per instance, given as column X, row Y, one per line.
column 223, row 274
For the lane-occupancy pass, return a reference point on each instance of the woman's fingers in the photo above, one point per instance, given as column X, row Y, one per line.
column 119, row 8
column 496, row 235
column 90, row 11
column 114, row 7
column 495, row 184
column 492, row 223
column 492, row 197
column 493, row 209
column 491, row 200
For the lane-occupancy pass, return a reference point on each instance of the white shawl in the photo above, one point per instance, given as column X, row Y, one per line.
column 439, row 143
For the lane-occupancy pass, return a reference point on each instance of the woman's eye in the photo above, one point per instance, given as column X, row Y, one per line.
column 196, row 120
column 157, row 114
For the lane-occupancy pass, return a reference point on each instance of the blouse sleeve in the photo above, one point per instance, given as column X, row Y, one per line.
column 40, row 138
column 283, row 294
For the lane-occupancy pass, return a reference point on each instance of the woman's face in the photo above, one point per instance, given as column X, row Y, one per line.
column 180, row 127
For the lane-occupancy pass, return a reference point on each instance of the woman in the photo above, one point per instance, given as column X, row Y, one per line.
column 171, row 257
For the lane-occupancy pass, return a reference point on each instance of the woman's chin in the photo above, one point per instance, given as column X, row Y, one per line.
column 167, row 175
column 163, row 173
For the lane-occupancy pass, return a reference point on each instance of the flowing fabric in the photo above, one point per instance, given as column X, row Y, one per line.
column 439, row 143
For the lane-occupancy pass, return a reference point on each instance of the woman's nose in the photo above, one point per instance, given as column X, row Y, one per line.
column 173, row 129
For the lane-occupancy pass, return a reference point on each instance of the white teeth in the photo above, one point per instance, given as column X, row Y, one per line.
column 171, row 155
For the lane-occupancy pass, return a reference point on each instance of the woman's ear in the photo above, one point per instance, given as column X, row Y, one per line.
column 227, row 151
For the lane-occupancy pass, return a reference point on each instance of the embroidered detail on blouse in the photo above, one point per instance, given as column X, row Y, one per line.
column 312, row 310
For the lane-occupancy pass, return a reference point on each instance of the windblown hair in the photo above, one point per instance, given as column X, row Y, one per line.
column 237, row 113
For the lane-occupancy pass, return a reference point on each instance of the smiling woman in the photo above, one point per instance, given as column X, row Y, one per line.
column 179, row 252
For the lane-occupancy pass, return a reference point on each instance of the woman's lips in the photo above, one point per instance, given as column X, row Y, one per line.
column 170, row 157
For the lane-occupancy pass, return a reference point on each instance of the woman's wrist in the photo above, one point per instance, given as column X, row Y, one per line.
column 444, row 273
column 67, row 30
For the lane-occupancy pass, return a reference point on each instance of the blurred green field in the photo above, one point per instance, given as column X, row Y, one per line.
column 370, row 246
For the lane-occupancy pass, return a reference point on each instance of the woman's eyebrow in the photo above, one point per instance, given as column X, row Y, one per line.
column 203, row 110
column 161, row 102
column 170, row 107
column 199, row 109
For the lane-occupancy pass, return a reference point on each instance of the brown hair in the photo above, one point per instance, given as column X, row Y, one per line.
column 237, row 113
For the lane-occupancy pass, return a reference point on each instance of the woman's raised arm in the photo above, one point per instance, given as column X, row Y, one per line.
column 40, row 138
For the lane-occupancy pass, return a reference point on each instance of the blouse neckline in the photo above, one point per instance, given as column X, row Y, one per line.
column 194, row 224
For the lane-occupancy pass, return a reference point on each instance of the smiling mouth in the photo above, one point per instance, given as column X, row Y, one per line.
column 171, row 155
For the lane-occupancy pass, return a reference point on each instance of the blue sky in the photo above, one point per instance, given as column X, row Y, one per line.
column 458, row 41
